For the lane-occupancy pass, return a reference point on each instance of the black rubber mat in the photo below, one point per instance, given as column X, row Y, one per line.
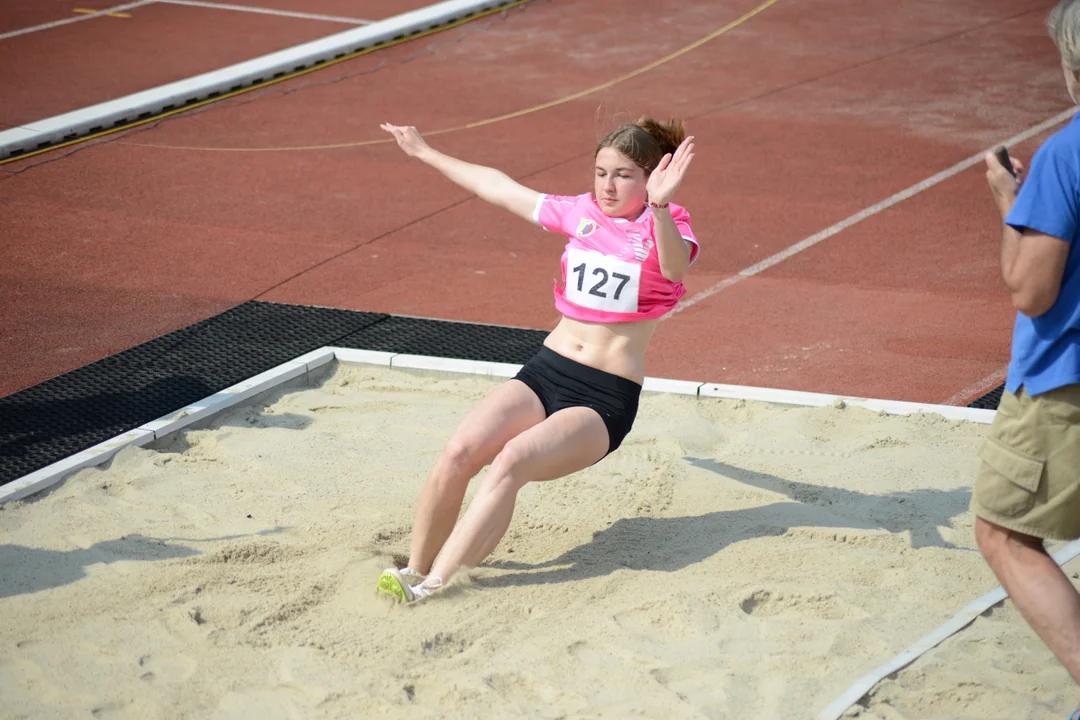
column 990, row 400
column 443, row 338
column 71, row 412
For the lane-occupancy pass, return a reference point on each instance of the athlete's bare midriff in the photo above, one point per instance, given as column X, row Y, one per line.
column 616, row 348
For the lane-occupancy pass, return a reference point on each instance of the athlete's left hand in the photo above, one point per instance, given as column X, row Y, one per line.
column 667, row 176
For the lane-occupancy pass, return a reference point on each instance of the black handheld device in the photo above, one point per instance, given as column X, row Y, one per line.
column 1002, row 155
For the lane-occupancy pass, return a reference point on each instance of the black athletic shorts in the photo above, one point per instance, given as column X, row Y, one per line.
column 561, row 383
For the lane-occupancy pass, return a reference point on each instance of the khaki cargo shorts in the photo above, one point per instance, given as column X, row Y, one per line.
column 1029, row 478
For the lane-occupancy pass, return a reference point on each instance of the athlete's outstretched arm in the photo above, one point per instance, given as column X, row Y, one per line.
column 488, row 183
column 673, row 250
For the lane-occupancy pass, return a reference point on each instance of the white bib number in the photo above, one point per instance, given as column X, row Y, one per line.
column 601, row 282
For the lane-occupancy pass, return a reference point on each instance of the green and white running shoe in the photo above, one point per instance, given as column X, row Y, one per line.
column 394, row 582
column 406, row 585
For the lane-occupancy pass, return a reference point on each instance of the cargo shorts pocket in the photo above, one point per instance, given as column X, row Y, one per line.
column 1008, row 479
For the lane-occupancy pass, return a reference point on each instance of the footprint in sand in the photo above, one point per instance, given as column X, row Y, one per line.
column 768, row 603
column 328, row 408
column 111, row 711
column 392, row 535
column 185, row 623
column 444, row 645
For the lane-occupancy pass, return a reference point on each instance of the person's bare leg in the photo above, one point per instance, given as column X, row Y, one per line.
column 507, row 411
column 568, row 441
column 1043, row 593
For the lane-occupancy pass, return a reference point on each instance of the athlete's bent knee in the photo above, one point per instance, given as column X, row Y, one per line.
column 506, row 469
column 461, row 455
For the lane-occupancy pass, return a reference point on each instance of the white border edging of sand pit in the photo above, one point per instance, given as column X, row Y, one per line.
column 33, row 135
column 454, row 365
column 315, row 358
column 228, row 397
column 961, row 620
column 808, row 399
column 362, row 357
column 672, row 387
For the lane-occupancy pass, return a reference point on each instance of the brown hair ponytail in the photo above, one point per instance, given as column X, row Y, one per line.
column 646, row 141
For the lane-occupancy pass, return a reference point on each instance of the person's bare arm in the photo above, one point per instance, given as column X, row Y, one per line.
column 671, row 248
column 1032, row 266
column 492, row 185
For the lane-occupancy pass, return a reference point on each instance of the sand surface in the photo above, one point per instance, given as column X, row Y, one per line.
column 732, row 560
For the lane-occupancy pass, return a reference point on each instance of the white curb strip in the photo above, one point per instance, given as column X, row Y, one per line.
column 795, row 397
column 468, row 367
column 41, row 133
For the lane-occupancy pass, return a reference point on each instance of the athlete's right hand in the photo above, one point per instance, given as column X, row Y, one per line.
column 408, row 139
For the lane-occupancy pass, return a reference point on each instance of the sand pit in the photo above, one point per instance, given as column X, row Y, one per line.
column 732, row 560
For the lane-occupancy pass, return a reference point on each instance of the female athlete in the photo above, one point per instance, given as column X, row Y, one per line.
column 575, row 401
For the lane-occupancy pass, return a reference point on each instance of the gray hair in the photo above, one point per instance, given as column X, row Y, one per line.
column 1064, row 26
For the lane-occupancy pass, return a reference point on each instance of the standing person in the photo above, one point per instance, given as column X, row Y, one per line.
column 572, row 404
column 1028, row 486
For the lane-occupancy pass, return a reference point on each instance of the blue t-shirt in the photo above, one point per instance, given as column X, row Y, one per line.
column 1046, row 349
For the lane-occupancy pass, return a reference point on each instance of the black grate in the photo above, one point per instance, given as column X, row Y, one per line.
column 71, row 412
column 444, row 338
column 990, row 400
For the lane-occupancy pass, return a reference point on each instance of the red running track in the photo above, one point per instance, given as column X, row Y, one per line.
column 804, row 115
column 98, row 59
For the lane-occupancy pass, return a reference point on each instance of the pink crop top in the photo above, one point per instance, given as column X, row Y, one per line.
column 611, row 266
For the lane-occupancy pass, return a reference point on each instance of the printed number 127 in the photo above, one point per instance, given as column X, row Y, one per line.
column 595, row 289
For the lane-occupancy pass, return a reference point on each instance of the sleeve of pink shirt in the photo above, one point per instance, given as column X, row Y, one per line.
column 552, row 210
column 682, row 221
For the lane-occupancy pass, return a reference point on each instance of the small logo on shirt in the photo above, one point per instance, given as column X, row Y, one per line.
column 585, row 228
